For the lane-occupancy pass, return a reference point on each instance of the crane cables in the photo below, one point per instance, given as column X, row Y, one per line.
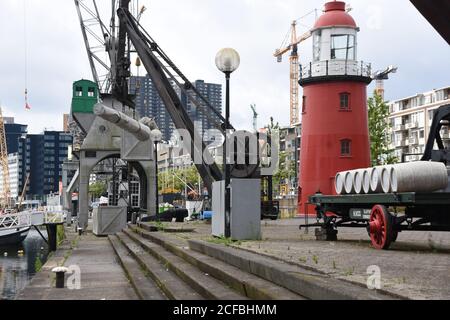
column 297, row 21
column 27, row 106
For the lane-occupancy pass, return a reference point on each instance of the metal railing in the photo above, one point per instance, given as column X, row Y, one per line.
column 29, row 218
column 14, row 221
column 335, row 68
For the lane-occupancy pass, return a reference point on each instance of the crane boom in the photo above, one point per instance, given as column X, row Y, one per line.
column 294, row 70
column 4, row 162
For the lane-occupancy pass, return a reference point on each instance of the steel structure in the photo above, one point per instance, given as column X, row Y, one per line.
column 380, row 76
column 95, row 36
column 30, row 218
column 127, row 37
column 294, row 70
column 4, row 163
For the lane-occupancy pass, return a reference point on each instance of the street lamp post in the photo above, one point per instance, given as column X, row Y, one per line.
column 156, row 137
column 227, row 61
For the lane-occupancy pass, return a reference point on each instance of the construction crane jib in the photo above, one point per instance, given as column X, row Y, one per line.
column 294, row 69
column 5, row 196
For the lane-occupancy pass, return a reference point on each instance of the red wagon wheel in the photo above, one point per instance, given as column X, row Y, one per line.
column 380, row 227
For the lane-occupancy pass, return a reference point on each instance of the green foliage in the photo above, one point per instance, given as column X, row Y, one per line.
column 60, row 234
column 286, row 171
column 37, row 264
column 379, row 132
column 174, row 179
column 225, row 241
column 97, row 189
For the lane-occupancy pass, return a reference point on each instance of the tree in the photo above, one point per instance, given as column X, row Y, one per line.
column 97, row 189
column 379, row 132
column 285, row 172
column 174, row 179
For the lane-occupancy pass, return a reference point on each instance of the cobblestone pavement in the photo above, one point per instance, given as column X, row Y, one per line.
column 417, row 266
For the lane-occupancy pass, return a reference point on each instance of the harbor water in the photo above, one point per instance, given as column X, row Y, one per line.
column 19, row 263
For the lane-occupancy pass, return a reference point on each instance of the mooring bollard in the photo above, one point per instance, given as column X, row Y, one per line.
column 60, row 273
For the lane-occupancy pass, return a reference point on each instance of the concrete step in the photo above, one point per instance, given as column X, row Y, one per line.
column 246, row 284
column 308, row 283
column 145, row 288
column 172, row 286
column 165, row 228
column 209, row 287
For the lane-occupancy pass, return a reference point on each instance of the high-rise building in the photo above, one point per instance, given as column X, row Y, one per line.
column 43, row 156
column 149, row 104
column 13, row 132
column 213, row 93
column 410, row 122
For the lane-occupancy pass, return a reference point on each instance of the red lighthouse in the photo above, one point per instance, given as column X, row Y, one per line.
column 335, row 135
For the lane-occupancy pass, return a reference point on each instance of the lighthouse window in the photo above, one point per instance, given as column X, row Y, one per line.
column 346, row 148
column 316, row 46
column 304, row 104
column 343, row 47
column 344, row 101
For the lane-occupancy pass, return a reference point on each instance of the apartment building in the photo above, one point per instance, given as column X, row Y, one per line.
column 411, row 119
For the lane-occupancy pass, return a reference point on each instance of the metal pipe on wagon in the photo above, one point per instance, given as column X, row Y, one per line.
column 358, row 181
column 421, row 176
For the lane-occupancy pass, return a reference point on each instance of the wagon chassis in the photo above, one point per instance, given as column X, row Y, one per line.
column 381, row 214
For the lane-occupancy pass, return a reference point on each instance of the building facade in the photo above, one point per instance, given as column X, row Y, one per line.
column 290, row 142
column 15, row 176
column 410, row 121
column 42, row 156
column 213, row 93
column 13, row 132
column 149, row 104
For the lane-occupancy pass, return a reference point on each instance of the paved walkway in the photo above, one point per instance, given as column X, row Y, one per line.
column 417, row 266
column 101, row 276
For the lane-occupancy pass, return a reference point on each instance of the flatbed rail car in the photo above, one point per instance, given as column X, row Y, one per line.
column 383, row 215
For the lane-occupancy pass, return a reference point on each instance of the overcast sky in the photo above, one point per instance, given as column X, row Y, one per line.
column 191, row 32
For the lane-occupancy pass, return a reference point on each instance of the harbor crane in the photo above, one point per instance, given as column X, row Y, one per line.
column 294, row 69
column 255, row 117
column 380, row 76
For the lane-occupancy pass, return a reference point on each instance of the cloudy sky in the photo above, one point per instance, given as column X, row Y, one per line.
column 191, row 32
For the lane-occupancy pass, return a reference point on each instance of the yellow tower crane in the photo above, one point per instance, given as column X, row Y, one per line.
column 294, row 68
column 4, row 163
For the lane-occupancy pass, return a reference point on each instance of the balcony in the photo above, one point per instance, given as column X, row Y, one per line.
column 411, row 125
column 324, row 70
column 399, row 127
